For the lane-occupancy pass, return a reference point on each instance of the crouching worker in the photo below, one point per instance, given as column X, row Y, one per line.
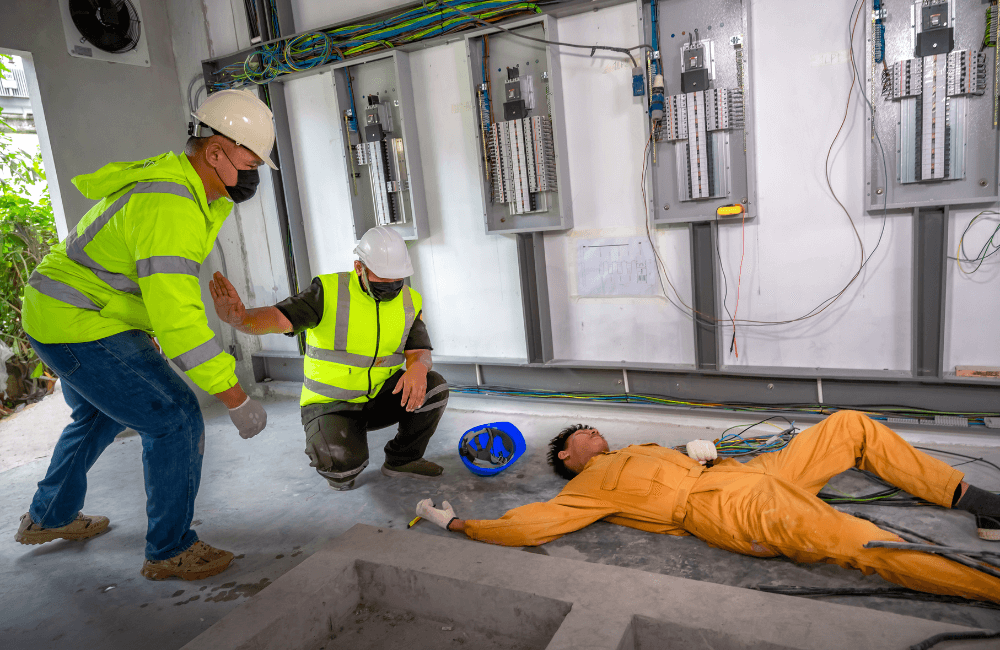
column 368, row 361
column 765, row 507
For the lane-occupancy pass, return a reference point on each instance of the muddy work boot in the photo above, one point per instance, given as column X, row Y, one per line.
column 419, row 468
column 341, row 486
column 80, row 528
column 198, row 562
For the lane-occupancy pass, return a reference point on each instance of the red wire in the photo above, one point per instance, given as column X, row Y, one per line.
column 743, row 248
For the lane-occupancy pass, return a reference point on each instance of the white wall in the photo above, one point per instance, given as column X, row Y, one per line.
column 605, row 129
column 800, row 251
column 973, row 328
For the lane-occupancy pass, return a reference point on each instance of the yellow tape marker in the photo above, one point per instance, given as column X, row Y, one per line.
column 415, row 520
column 730, row 210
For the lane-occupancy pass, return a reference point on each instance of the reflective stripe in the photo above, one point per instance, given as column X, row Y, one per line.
column 431, row 393
column 199, row 355
column 343, row 311
column 351, row 359
column 118, row 281
column 410, row 315
column 60, row 291
column 75, row 243
column 166, row 264
column 326, row 390
column 434, row 391
column 431, row 407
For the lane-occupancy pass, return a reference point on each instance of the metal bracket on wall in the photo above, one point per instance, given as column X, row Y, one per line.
column 535, row 296
column 706, row 332
column 930, row 238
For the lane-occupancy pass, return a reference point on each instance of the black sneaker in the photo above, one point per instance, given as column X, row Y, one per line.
column 419, row 468
column 989, row 527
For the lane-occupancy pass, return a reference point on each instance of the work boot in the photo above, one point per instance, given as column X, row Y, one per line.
column 80, row 528
column 419, row 468
column 341, row 486
column 988, row 527
column 198, row 562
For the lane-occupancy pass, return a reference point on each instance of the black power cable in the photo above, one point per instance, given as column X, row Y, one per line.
column 627, row 51
column 953, row 636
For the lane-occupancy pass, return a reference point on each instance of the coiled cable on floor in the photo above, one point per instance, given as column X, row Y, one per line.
column 953, row 636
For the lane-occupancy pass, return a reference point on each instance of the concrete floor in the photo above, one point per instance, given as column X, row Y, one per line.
column 260, row 499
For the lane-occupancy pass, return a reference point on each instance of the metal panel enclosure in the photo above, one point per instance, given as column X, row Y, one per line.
column 381, row 147
column 544, row 205
column 907, row 92
column 713, row 35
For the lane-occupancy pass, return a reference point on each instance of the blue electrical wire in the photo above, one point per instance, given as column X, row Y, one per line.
column 654, row 20
column 879, row 34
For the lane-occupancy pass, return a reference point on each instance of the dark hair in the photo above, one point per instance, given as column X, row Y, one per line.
column 194, row 145
column 558, row 444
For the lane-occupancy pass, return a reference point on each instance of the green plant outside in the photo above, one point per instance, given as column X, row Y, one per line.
column 27, row 230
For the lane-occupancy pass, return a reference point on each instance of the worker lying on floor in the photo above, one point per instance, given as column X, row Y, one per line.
column 765, row 507
column 361, row 327
column 129, row 271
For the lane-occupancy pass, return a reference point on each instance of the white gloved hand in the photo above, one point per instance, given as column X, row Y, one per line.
column 440, row 516
column 702, row 451
column 249, row 417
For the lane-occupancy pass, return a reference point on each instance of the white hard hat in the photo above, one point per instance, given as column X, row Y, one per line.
column 384, row 252
column 241, row 117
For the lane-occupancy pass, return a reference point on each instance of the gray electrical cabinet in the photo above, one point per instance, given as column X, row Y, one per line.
column 520, row 134
column 930, row 76
column 381, row 149
column 696, row 85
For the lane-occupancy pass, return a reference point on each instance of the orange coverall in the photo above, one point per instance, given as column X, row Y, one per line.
column 765, row 507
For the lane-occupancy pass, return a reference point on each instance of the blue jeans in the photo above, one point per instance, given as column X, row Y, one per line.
column 117, row 382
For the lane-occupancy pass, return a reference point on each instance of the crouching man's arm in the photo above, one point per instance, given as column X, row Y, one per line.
column 530, row 525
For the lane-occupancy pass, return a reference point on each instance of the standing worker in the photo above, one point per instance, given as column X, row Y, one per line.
column 362, row 326
column 127, row 272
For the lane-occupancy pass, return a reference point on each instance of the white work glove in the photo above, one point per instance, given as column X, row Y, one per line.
column 702, row 451
column 249, row 417
column 441, row 517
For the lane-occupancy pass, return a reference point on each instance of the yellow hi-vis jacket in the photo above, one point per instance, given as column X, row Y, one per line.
column 132, row 263
column 358, row 343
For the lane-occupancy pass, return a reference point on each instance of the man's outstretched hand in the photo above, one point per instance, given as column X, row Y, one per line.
column 228, row 305
column 440, row 516
column 702, row 451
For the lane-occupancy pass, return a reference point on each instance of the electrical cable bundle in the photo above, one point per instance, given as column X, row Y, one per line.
column 733, row 445
column 874, row 411
column 679, row 302
column 305, row 51
column 989, row 249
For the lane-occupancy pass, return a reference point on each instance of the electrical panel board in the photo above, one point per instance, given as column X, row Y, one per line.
column 519, row 128
column 700, row 150
column 931, row 130
column 381, row 150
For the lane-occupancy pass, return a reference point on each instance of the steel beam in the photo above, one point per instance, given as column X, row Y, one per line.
column 930, row 238
column 535, row 296
column 706, row 332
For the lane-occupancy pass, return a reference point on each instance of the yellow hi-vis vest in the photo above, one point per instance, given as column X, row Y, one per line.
column 358, row 343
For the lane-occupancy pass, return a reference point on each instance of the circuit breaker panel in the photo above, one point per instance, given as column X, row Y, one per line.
column 376, row 116
column 931, row 136
column 519, row 132
column 695, row 84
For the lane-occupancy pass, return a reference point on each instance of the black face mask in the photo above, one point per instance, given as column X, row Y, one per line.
column 385, row 291
column 246, row 185
column 246, row 182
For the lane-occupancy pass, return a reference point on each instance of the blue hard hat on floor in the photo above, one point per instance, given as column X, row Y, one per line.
column 491, row 448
